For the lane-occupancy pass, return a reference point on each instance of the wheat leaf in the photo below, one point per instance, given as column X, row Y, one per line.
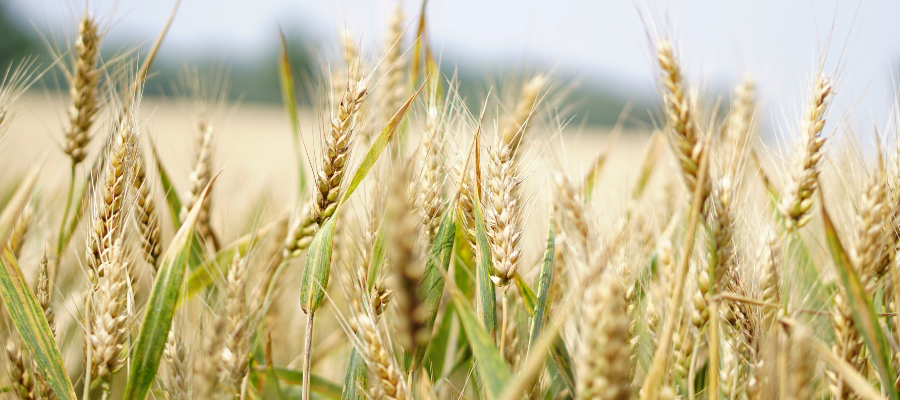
column 28, row 317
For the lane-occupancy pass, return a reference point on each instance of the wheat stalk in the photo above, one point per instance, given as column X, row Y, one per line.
column 800, row 188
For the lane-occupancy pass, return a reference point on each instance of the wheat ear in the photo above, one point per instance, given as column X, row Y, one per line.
column 802, row 367
column 338, row 144
column 411, row 330
column 107, row 217
column 235, row 354
column 177, row 378
column 603, row 357
column 109, row 330
column 392, row 68
column 503, row 217
column 681, row 115
column 429, row 200
column 20, row 231
column 83, row 88
column 720, row 249
column 769, row 261
column 800, row 189
column 18, row 370
column 199, row 179
column 390, row 379
column 515, row 126
column 206, row 364
column 739, row 124
column 145, row 214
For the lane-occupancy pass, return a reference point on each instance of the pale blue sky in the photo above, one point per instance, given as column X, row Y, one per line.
column 776, row 41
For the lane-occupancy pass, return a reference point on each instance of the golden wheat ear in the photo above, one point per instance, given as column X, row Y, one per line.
column 800, row 188
column 84, row 90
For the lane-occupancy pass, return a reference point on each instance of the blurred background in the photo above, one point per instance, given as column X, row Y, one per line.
column 599, row 49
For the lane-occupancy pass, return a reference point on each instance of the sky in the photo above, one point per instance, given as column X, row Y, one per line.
column 778, row 42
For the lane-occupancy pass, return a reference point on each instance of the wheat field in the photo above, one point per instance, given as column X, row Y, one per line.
column 391, row 242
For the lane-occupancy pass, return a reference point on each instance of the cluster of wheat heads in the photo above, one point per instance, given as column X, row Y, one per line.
column 469, row 263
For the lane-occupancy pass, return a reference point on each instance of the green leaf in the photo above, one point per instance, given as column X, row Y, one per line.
column 16, row 204
column 378, row 253
column 318, row 267
column 161, row 307
column 861, row 306
column 486, row 296
column 545, row 279
column 289, row 96
column 355, row 380
column 317, row 383
column 28, row 317
column 172, row 199
column 562, row 360
column 377, row 147
column 431, row 286
column 492, row 369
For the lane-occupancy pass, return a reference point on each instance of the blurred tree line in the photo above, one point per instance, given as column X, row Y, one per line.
column 257, row 80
